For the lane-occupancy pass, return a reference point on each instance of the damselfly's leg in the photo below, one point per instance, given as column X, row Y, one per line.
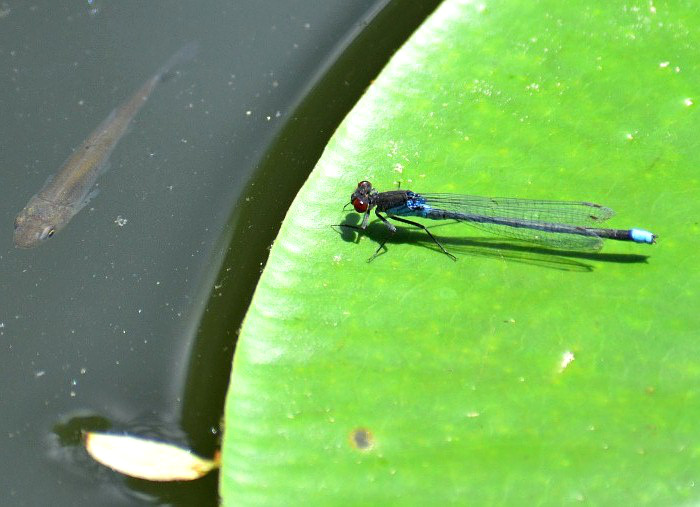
column 393, row 217
column 392, row 230
column 349, row 226
column 361, row 227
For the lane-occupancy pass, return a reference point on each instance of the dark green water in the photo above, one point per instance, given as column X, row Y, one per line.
column 127, row 319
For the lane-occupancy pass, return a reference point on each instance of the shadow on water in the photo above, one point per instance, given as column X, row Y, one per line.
column 498, row 248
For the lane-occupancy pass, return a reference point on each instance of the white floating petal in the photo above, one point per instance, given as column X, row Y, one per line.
column 146, row 459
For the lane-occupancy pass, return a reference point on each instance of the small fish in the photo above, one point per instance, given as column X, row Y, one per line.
column 71, row 188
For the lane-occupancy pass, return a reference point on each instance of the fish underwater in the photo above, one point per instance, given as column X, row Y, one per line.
column 72, row 187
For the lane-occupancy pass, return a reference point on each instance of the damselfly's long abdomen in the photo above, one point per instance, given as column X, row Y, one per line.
column 558, row 224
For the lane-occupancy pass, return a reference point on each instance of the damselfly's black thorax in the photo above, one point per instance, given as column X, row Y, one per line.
column 385, row 201
column 364, row 198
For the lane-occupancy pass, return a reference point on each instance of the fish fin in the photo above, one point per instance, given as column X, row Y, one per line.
column 48, row 181
column 89, row 197
column 107, row 121
column 167, row 76
column 104, row 167
column 185, row 53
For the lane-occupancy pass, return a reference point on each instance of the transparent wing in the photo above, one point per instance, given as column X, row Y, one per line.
column 557, row 212
column 586, row 241
column 580, row 215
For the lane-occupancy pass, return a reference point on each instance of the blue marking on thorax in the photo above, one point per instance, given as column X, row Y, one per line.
column 641, row 236
column 403, row 210
column 414, row 206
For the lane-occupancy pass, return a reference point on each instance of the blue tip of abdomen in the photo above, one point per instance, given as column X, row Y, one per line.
column 642, row 236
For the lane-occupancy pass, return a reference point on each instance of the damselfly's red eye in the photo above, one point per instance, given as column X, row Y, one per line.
column 359, row 205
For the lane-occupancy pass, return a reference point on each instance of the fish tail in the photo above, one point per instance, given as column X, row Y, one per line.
column 185, row 53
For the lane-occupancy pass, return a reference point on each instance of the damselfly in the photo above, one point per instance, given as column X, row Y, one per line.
column 565, row 225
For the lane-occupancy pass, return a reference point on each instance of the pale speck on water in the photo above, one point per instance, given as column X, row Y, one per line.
column 120, row 221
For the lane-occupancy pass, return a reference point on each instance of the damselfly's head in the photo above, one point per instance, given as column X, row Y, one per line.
column 360, row 198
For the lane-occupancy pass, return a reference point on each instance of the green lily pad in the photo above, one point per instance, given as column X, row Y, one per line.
column 517, row 374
